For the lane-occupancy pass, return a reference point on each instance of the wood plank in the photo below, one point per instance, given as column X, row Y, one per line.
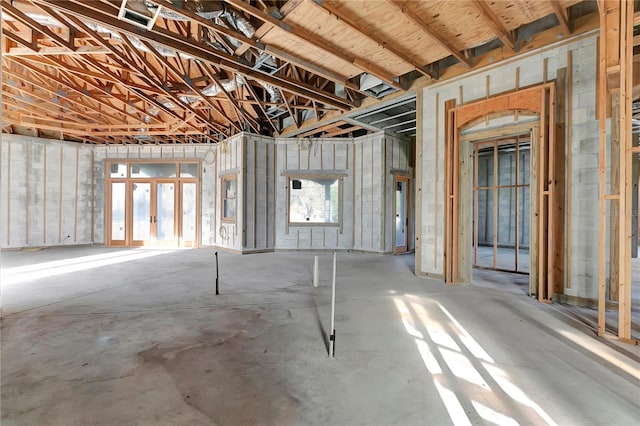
column 561, row 14
column 614, row 205
column 494, row 23
column 601, row 90
column 559, row 178
column 307, row 37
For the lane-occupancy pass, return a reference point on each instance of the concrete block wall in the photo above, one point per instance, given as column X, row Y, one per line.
column 157, row 152
column 45, row 192
column 502, row 77
column 228, row 162
column 323, row 156
column 259, row 193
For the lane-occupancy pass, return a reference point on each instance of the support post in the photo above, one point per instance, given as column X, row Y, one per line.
column 332, row 338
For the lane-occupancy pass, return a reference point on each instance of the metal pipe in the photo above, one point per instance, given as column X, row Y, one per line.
column 332, row 338
column 217, row 275
column 316, row 272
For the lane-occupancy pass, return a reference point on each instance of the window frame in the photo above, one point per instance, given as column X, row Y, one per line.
column 223, row 197
column 310, row 177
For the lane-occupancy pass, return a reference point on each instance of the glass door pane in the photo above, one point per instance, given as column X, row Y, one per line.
column 165, row 212
column 141, row 211
column 118, row 204
column 189, row 200
column 401, row 237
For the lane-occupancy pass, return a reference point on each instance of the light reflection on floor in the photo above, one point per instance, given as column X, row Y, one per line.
column 37, row 271
column 464, row 374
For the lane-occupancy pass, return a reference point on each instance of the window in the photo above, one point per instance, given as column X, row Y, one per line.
column 229, row 192
column 314, row 200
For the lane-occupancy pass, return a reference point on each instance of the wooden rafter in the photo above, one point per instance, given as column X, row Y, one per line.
column 100, row 12
column 561, row 14
column 189, row 83
column 305, row 36
column 382, row 44
column 413, row 17
column 494, row 23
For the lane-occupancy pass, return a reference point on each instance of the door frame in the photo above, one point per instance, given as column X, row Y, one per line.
column 129, row 181
column 407, row 221
column 540, row 100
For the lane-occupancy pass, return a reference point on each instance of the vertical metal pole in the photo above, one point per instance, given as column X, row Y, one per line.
column 332, row 338
column 316, row 272
column 217, row 275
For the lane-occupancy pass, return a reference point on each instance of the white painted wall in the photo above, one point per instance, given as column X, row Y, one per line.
column 584, row 148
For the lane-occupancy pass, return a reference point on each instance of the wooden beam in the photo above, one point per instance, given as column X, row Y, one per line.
column 29, row 22
column 189, row 83
column 561, row 14
column 383, row 44
column 247, row 42
column 307, row 37
column 232, row 100
column 197, row 50
column 413, row 17
column 153, row 83
column 260, row 105
column 494, row 23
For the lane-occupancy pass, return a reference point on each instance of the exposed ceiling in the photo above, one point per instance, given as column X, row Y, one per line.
column 160, row 71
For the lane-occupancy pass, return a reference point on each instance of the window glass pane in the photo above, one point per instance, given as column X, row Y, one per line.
column 141, row 211
column 118, row 170
column 189, row 199
column 229, row 191
column 313, row 200
column 165, row 204
column 188, row 170
column 153, row 170
column 118, row 193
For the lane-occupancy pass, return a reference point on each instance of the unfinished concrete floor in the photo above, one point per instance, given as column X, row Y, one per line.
column 99, row 336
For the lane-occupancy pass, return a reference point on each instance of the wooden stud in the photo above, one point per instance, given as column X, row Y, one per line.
column 615, row 204
column 542, row 204
column 534, row 217
column 435, row 176
column 626, row 143
column 515, row 113
column 552, row 216
column 495, row 204
column 476, row 170
column 602, row 167
column 569, row 166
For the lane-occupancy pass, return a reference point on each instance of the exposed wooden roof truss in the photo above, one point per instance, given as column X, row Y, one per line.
column 157, row 71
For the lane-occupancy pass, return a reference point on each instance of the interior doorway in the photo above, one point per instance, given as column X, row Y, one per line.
column 152, row 204
column 402, row 209
column 502, row 204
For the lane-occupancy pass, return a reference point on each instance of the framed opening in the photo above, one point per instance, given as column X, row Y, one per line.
column 314, row 200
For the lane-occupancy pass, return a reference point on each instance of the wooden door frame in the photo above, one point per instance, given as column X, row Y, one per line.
column 128, row 181
column 397, row 178
column 539, row 100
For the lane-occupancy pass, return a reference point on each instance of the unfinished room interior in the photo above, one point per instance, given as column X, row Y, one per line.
column 320, row 212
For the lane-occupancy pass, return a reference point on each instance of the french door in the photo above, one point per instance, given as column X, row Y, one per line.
column 152, row 211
